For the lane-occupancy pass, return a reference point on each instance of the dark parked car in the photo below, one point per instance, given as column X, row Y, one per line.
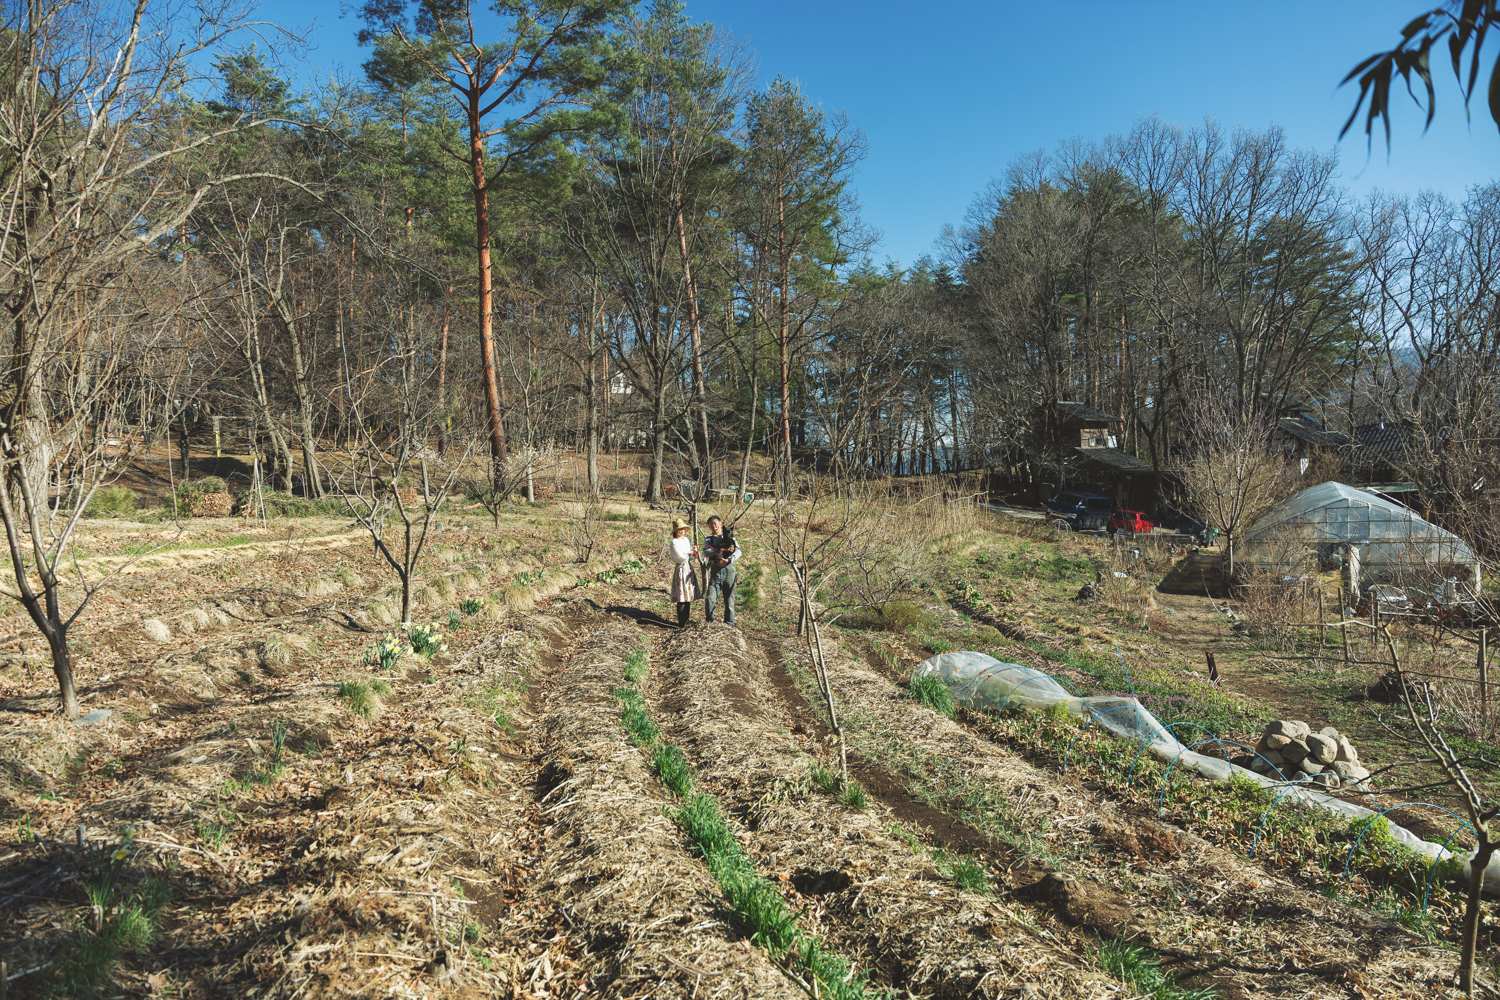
column 1128, row 520
column 1080, row 511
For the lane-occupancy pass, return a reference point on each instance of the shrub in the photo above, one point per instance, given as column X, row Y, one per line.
column 281, row 504
column 110, row 501
column 208, row 484
column 903, row 616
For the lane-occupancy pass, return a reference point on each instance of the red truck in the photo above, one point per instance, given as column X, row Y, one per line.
column 1128, row 520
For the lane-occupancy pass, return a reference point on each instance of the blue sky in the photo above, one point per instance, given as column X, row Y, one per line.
column 950, row 92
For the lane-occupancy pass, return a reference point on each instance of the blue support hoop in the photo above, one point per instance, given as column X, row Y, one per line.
column 1092, row 719
column 1162, row 795
column 1130, row 775
column 1350, row 856
column 1431, row 871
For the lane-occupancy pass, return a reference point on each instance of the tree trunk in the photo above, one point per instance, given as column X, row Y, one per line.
column 62, row 669
column 750, row 434
column 782, row 310
column 1473, row 913
column 486, row 292
column 700, row 397
column 313, row 485
column 442, row 398
column 252, row 355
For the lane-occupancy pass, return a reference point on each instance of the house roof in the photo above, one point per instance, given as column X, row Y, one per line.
column 1113, row 459
column 1381, row 445
column 1309, row 432
column 1083, row 414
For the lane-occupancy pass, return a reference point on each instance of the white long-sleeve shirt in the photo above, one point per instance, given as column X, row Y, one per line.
column 680, row 550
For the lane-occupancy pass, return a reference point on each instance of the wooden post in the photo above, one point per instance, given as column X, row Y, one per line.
column 1484, row 672
column 1374, row 620
column 1213, row 668
column 1322, row 620
column 1344, row 623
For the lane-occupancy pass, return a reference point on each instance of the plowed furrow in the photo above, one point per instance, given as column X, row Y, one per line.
column 1190, row 898
column 650, row 915
column 877, row 903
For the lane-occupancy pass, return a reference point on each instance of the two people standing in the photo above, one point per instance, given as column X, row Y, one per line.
column 719, row 552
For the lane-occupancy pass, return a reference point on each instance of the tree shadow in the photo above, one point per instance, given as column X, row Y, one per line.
column 639, row 615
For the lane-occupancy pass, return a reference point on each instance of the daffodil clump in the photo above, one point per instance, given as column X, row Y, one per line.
column 386, row 652
column 425, row 639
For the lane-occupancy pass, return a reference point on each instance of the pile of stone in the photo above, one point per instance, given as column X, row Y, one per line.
column 1324, row 758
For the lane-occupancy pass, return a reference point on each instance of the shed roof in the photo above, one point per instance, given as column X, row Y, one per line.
column 1084, row 414
column 1305, row 430
column 1114, row 459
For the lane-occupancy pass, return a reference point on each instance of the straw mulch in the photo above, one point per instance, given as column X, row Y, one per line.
column 1259, row 934
column 877, row 903
column 651, row 916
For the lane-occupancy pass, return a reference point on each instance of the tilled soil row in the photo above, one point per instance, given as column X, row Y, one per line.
column 378, row 859
column 873, row 900
column 1189, row 898
column 650, row 916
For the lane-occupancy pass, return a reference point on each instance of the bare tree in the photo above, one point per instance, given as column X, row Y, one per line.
column 101, row 166
column 1430, row 733
column 1231, row 476
column 401, row 480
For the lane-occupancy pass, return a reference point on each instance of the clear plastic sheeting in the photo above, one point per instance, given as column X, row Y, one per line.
column 986, row 683
column 983, row 682
column 1391, row 543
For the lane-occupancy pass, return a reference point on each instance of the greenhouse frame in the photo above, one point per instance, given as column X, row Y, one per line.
column 1372, row 539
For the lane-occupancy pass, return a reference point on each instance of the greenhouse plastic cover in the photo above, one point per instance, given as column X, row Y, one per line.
column 1333, row 513
column 986, row 683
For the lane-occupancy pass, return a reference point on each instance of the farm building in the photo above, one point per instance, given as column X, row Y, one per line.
column 1372, row 539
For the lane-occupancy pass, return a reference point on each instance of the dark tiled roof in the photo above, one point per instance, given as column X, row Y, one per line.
column 1311, row 433
column 1113, row 459
column 1083, row 413
column 1380, row 446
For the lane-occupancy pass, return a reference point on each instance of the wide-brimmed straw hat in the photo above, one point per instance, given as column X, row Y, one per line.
column 679, row 525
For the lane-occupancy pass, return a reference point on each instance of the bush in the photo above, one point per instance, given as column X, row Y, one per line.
column 111, row 501
column 208, row 484
column 280, row 504
column 903, row 616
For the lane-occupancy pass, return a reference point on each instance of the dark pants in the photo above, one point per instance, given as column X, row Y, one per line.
column 721, row 581
column 684, row 611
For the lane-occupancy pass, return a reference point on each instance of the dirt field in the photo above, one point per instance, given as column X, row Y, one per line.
column 267, row 810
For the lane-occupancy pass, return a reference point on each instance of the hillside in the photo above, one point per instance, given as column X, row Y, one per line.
column 574, row 799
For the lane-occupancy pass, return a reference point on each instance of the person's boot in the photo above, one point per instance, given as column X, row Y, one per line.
column 684, row 611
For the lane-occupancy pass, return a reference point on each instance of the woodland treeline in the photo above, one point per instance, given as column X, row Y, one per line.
column 588, row 226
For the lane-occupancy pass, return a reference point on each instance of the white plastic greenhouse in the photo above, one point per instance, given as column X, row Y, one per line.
column 1374, row 540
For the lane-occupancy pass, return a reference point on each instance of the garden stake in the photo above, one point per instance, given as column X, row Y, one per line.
column 1322, row 621
column 1484, row 673
column 1344, row 624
